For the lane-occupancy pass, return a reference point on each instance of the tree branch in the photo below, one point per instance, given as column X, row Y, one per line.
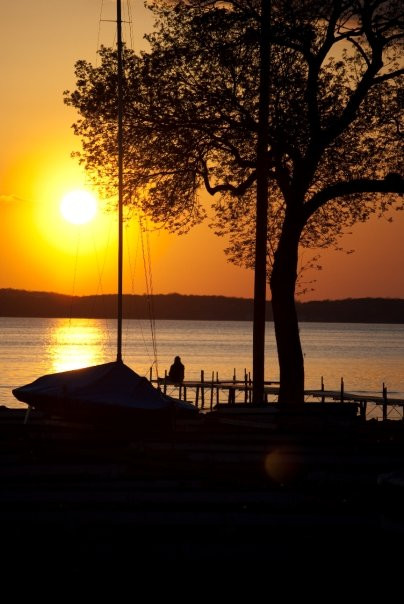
column 393, row 183
column 238, row 190
column 350, row 111
column 360, row 50
column 225, row 145
column 388, row 76
column 374, row 65
column 315, row 62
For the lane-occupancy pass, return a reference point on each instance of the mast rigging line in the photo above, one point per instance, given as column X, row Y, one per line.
column 99, row 31
column 130, row 22
column 132, row 270
column 76, row 260
column 100, row 263
column 149, row 289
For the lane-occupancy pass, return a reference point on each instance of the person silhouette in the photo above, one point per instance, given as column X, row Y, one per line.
column 176, row 373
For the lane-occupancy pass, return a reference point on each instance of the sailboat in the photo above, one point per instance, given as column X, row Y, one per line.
column 110, row 392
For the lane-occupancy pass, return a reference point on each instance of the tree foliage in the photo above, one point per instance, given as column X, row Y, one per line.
column 191, row 115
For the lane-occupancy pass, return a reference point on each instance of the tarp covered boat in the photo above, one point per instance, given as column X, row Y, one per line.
column 111, row 391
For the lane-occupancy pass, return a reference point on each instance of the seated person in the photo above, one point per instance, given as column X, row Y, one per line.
column 176, row 373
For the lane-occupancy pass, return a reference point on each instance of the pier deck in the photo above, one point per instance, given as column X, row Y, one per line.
column 207, row 394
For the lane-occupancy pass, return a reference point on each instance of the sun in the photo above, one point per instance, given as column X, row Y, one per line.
column 78, row 207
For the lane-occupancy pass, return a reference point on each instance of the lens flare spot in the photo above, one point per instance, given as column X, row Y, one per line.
column 282, row 466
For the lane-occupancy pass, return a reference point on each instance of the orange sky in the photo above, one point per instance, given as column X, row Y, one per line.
column 40, row 41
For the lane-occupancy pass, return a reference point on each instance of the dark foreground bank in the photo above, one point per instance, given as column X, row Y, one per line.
column 221, row 491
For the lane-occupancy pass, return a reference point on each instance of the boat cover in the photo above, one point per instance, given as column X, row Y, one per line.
column 107, row 385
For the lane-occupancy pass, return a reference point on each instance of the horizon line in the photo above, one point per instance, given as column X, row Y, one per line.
column 29, row 291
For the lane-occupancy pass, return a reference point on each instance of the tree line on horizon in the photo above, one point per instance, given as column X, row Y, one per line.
column 21, row 303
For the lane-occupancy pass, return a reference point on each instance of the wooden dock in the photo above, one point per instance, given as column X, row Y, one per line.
column 206, row 394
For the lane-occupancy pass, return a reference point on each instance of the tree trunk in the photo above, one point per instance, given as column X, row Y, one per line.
column 283, row 284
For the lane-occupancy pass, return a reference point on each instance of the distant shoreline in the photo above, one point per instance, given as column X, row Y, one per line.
column 22, row 303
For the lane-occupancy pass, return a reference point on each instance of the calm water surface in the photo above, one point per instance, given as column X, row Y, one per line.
column 365, row 355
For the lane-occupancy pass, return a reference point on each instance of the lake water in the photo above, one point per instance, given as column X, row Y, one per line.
column 365, row 355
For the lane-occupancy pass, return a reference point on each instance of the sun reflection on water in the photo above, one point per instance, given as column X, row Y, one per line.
column 76, row 343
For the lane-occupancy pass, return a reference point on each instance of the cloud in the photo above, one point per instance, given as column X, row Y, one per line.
column 9, row 198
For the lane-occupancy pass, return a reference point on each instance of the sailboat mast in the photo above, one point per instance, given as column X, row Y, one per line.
column 120, row 176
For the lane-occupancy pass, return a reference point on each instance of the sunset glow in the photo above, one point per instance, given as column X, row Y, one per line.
column 37, row 170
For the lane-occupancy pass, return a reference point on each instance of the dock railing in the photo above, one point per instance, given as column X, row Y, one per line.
column 205, row 394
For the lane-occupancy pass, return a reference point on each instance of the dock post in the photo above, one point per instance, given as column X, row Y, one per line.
column 197, row 397
column 245, row 386
column 322, row 389
column 250, row 384
column 185, row 393
column 234, row 376
column 342, row 390
column 384, row 402
column 27, row 414
column 211, row 390
column 232, row 396
column 202, row 389
column 362, row 409
column 180, row 391
column 165, row 382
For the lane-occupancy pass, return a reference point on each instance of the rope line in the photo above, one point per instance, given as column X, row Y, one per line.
column 100, row 273
column 151, row 304
column 149, row 288
column 74, row 277
column 130, row 22
column 132, row 270
column 99, row 32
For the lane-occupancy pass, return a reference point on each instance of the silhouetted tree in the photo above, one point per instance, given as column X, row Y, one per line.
column 192, row 121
